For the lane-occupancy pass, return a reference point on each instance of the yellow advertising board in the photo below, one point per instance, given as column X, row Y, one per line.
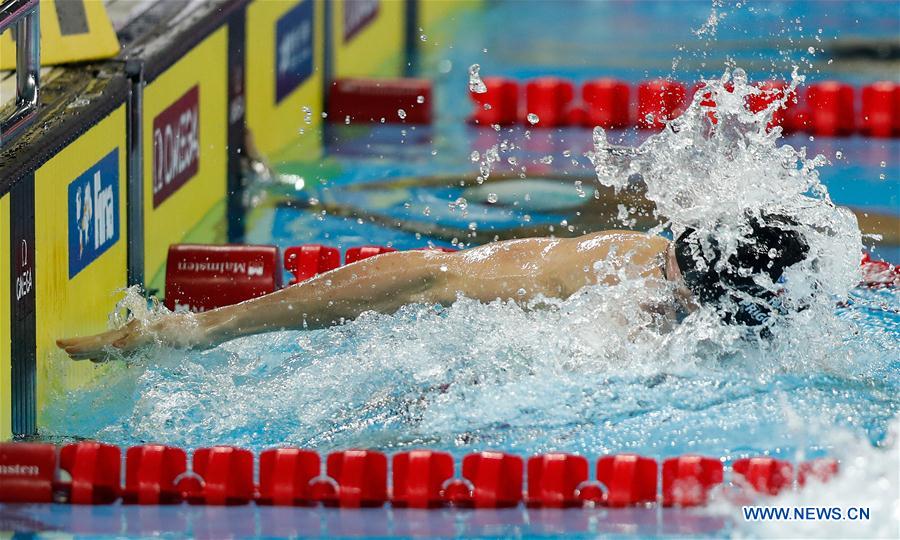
column 284, row 54
column 80, row 233
column 71, row 31
column 185, row 147
column 368, row 38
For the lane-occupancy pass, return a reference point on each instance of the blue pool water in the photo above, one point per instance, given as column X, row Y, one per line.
column 474, row 376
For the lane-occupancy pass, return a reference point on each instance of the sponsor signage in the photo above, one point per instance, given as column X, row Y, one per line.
column 215, row 268
column 176, row 145
column 17, row 469
column 293, row 49
column 357, row 15
column 24, row 273
column 93, row 212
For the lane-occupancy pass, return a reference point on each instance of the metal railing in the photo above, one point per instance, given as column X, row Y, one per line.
column 25, row 15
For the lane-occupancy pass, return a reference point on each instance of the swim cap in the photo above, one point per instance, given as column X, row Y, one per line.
column 772, row 245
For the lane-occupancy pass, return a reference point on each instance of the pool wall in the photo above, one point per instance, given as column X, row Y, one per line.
column 130, row 155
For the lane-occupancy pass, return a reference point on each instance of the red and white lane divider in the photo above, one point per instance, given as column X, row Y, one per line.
column 828, row 108
column 89, row 473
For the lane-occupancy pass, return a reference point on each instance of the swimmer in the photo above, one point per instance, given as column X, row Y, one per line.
column 518, row 270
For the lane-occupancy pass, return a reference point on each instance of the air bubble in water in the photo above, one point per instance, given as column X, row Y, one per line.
column 533, row 118
column 579, row 189
column 460, row 203
column 474, row 156
column 401, row 113
column 492, row 198
column 476, row 85
column 420, row 99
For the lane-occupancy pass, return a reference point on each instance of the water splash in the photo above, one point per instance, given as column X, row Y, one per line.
column 476, row 85
column 715, row 165
column 867, row 478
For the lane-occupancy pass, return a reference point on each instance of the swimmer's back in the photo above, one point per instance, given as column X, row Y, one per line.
column 552, row 267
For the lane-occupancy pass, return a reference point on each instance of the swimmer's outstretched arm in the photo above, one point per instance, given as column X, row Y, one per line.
column 511, row 270
column 383, row 283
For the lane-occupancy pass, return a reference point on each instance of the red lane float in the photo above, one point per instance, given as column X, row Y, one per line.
column 360, row 479
column 629, row 479
column 877, row 274
column 547, row 102
column 27, row 472
column 608, row 103
column 707, row 100
column 687, row 480
column 419, row 477
column 774, row 91
column 830, row 106
column 94, row 470
column 499, row 105
column 821, row 470
column 203, row 277
column 764, row 474
column 151, row 471
column 880, row 114
column 285, row 475
column 310, row 260
column 826, row 108
column 659, row 101
column 553, row 480
column 364, row 252
column 495, row 479
column 223, row 475
column 380, row 101
column 227, row 476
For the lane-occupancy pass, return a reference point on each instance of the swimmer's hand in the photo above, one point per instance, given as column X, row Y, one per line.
column 176, row 330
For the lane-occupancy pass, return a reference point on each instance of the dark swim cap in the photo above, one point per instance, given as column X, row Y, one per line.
column 772, row 246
